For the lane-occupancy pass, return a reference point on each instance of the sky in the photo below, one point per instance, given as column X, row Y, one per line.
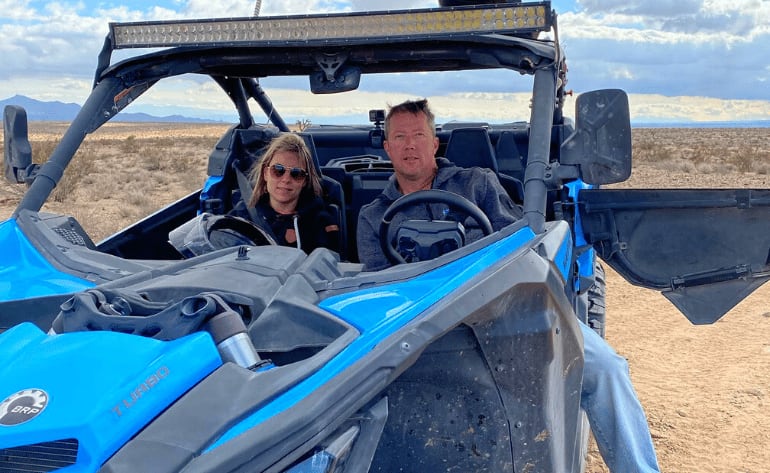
column 679, row 60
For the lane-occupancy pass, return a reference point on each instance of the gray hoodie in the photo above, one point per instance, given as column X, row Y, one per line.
column 479, row 185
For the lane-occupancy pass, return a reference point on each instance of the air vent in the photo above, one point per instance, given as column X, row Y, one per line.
column 40, row 457
column 71, row 236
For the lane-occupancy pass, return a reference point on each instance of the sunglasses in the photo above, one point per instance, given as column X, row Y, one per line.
column 279, row 170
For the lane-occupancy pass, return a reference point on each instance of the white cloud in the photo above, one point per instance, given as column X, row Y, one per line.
column 218, row 9
column 738, row 16
column 364, row 5
column 207, row 100
column 627, row 41
column 622, row 72
column 16, row 10
column 662, row 51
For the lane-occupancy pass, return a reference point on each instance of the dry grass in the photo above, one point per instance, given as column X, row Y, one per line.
column 703, row 150
column 122, row 172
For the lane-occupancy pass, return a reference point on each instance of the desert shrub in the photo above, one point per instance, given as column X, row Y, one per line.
column 743, row 162
column 125, row 213
column 677, row 166
column 152, row 159
column 651, row 153
column 128, row 145
column 138, row 199
column 750, row 158
column 707, row 168
column 41, row 150
column 95, row 190
column 83, row 165
column 701, row 154
column 648, row 146
column 163, row 142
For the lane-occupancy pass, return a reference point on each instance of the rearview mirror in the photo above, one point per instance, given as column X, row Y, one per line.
column 345, row 78
column 601, row 143
column 18, row 152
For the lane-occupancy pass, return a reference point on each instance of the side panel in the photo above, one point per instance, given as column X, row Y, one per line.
column 705, row 249
column 501, row 393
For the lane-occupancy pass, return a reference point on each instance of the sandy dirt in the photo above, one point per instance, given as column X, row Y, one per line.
column 706, row 389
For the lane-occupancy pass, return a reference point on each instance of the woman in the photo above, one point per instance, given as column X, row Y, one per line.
column 287, row 196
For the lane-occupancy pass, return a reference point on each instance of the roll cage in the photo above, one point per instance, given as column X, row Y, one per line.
column 237, row 69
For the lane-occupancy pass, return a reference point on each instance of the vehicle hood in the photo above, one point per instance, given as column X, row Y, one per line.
column 91, row 391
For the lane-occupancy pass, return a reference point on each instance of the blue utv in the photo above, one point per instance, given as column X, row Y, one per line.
column 186, row 342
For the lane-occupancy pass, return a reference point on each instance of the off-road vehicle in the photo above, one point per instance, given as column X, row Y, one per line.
column 187, row 342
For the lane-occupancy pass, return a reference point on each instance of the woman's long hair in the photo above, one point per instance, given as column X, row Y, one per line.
column 291, row 143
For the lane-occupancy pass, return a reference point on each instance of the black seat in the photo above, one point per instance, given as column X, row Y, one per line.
column 468, row 147
column 365, row 187
column 509, row 158
column 333, row 194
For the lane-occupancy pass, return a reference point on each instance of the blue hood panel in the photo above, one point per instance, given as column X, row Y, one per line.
column 99, row 388
column 25, row 273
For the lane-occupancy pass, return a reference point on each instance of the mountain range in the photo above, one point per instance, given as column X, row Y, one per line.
column 65, row 112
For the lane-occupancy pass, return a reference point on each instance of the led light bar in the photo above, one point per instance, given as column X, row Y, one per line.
column 518, row 18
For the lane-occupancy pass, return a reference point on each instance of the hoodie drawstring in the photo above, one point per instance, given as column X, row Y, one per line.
column 296, row 230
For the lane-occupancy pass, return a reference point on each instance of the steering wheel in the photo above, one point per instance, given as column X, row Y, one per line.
column 206, row 233
column 227, row 231
column 430, row 196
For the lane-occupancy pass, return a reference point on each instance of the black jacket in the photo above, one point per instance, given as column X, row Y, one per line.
column 317, row 225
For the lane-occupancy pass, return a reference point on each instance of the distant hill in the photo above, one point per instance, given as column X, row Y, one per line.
column 66, row 112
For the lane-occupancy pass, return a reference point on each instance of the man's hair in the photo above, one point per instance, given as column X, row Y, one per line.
column 415, row 107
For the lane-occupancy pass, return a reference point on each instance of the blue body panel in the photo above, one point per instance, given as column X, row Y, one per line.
column 209, row 188
column 585, row 260
column 102, row 387
column 25, row 273
column 380, row 311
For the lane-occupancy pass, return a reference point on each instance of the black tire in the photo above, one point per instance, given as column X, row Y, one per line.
column 597, row 306
column 597, row 313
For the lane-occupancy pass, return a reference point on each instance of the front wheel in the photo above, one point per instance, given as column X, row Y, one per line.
column 597, row 306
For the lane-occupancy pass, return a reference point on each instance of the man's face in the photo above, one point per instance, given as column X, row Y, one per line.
column 411, row 146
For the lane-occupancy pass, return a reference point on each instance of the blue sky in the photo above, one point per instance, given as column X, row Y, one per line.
column 699, row 60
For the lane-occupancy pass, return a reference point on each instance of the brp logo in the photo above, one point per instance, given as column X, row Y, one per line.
column 22, row 406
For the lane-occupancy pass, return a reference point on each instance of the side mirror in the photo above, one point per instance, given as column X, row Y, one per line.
column 18, row 152
column 601, row 143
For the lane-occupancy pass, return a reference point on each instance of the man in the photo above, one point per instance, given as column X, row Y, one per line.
column 411, row 144
column 617, row 419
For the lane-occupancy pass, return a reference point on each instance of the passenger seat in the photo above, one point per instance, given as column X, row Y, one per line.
column 468, row 147
column 333, row 194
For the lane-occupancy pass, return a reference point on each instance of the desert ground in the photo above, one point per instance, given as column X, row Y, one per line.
column 706, row 389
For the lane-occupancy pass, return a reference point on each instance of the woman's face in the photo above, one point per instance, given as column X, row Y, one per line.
column 284, row 190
